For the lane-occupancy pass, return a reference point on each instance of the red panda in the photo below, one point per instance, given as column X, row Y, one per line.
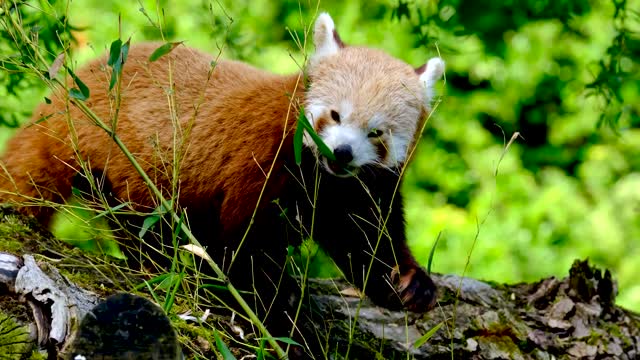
column 238, row 124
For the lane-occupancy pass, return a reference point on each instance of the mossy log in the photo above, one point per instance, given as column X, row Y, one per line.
column 571, row 318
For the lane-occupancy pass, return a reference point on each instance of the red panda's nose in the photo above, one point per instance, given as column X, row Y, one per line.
column 343, row 153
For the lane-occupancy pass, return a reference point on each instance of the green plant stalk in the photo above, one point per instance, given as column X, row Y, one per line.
column 384, row 224
column 234, row 292
column 305, row 277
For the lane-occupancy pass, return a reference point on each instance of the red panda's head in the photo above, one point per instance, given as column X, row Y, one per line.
column 366, row 105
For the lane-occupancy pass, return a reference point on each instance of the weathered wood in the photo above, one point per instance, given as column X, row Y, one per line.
column 58, row 300
column 56, row 304
column 570, row 318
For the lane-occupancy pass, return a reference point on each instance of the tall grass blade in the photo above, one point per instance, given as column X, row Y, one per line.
column 168, row 303
column 222, row 347
column 432, row 252
column 424, row 338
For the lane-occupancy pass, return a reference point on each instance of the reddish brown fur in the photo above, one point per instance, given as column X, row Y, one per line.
column 243, row 126
column 224, row 155
column 321, row 123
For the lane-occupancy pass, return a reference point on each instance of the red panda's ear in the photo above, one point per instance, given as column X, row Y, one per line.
column 429, row 74
column 325, row 37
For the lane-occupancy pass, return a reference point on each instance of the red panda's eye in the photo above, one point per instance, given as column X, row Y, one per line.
column 375, row 133
column 335, row 116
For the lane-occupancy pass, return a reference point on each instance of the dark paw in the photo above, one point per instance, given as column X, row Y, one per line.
column 297, row 353
column 416, row 290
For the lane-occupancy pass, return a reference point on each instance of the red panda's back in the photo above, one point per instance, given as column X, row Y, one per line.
column 221, row 123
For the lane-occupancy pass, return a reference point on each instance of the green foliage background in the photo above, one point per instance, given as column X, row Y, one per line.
column 564, row 74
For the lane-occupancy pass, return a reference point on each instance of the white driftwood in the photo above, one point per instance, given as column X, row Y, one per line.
column 46, row 293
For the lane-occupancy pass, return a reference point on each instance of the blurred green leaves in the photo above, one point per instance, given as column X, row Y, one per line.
column 45, row 24
column 553, row 71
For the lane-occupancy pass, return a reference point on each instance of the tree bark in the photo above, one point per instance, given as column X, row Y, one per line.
column 570, row 318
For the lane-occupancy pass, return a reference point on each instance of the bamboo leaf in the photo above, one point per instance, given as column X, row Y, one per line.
column 177, row 280
column 163, row 50
column 297, row 141
column 114, row 52
column 125, row 51
column 117, row 57
column 148, row 222
column 222, row 347
column 285, row 340
column 322, row 147
column 44, row 118
column 423, row 339
column 213, row 286
column 148, row 283
column 77, row 94
column 114, row 79
column 154, row 280
column 82, row 92
column 111, row 210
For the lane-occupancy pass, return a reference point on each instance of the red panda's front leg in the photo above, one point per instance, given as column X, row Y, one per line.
column 353, row 232
column 413, row 286
column 406, row 283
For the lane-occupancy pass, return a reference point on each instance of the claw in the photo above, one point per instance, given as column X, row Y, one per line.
column 416, row 289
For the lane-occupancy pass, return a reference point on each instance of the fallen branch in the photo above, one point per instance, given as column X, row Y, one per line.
column 568, row 318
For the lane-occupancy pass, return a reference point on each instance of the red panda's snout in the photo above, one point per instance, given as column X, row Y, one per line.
column 343, row 154
column 351, row 148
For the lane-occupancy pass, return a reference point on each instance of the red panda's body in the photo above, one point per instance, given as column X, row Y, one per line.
column 235, row 125
column 232, row 142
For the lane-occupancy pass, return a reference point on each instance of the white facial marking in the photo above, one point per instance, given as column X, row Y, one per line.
column 313, row 112
column 396, row 143
column 433, row 73
column 376, row 121
column 323, row 39
column 398, row 146
column 363, row 151
column 346, row 109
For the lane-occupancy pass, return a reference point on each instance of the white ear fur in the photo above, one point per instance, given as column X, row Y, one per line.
column 432, row 73
column 323, row 37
